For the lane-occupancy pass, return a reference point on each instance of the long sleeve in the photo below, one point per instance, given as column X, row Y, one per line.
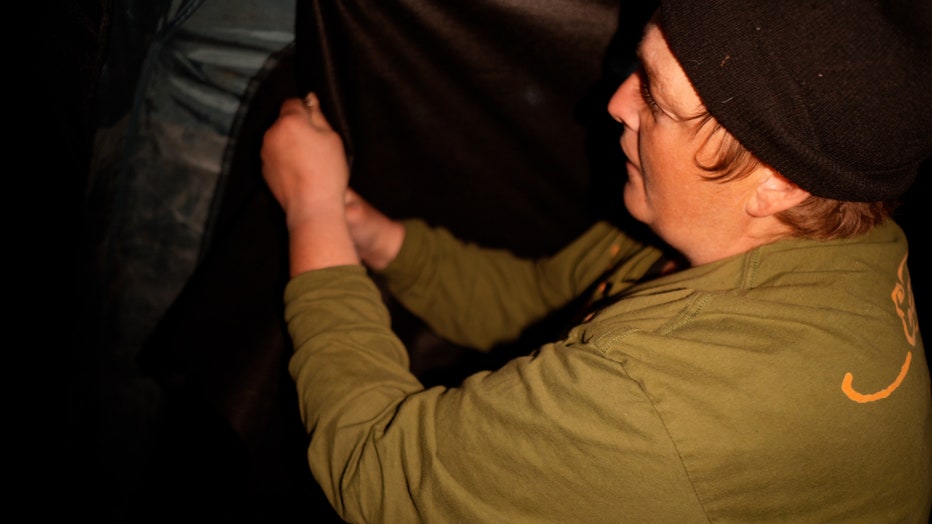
column 479, row 297
column 526, row 443
column 717, row 393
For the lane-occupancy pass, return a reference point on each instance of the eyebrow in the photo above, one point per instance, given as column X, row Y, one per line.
column 643, row 63
column 647, row 76
column 650, row 75
column 639, row 50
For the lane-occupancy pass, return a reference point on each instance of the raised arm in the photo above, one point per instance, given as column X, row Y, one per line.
column 305, row 166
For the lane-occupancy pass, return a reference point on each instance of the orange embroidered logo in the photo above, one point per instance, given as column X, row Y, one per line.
column 905, row 305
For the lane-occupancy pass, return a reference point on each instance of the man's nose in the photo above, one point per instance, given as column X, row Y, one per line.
column 624, row 103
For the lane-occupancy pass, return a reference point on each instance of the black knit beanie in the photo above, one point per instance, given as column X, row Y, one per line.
column 836, row 95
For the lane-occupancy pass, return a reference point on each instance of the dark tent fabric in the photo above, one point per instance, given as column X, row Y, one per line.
column 478, row 118
column 484, row 116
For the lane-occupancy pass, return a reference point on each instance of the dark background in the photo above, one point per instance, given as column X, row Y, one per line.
column 229, row 446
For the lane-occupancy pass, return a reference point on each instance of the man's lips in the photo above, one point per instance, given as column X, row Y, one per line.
column 628, row 156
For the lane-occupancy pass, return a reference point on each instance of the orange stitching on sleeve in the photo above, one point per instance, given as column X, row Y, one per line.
column 884, row 393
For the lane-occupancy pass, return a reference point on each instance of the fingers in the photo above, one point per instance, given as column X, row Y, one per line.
column 309, row 106
column 312, row 106
column 310, row 101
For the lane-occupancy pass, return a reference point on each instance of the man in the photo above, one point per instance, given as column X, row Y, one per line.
column 770, row 369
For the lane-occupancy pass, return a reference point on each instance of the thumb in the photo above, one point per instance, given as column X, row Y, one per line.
column 312, row 107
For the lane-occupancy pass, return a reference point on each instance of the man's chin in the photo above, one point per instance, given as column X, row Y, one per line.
column 634, row 204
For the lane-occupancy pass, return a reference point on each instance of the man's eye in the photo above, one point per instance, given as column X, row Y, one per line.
column 645, row 93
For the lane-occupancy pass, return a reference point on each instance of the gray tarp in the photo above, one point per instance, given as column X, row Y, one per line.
column 177, row 78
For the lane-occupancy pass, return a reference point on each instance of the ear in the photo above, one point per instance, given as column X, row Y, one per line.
column 773, row 194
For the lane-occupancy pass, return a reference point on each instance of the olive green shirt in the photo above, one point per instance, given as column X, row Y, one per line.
column 785, row 384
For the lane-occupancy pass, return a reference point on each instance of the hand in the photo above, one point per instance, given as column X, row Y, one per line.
column 305, row 167
column 376, row 237
column 303, row 161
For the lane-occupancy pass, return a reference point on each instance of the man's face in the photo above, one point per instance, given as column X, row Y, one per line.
column 666, row 189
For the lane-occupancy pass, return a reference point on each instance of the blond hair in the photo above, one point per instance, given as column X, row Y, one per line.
column 816, row 217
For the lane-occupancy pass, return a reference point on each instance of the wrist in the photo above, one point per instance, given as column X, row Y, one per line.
column 323, row 213
column 384, row 247
column 319, row 239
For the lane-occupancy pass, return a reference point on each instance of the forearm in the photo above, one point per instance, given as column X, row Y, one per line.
column 349, row 369
column 469, row 295
column 320, row 239
column 342, row 338
column 480, row 297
